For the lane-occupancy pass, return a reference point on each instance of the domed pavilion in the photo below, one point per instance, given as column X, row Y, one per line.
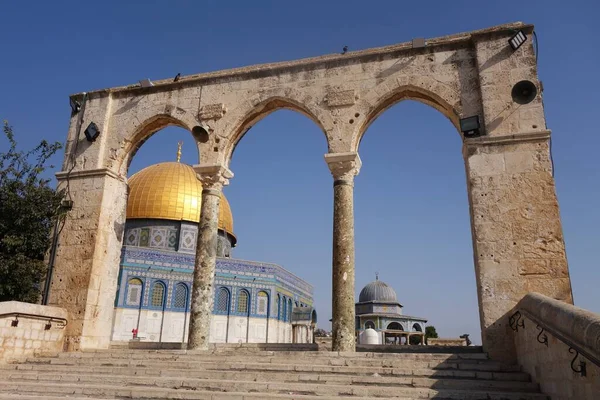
column 254, row 301
column 378, row 309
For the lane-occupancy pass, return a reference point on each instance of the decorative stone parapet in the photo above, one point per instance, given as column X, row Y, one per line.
column 558, row 344
column 30, row 329
column 446, row 342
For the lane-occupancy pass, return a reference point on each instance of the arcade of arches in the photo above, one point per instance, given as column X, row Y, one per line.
column 517, row 235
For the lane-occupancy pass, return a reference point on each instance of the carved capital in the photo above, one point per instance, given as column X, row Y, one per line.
column 213, row 177
column 343, row 166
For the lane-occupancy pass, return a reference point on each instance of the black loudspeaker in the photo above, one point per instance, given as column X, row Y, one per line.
column 200, row 133
column 92, row 132
column 524, row 92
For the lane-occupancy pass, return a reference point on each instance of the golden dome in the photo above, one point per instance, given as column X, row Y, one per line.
column 170, row 190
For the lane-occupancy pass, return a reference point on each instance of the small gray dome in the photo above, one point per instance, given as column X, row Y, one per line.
column 377, row 291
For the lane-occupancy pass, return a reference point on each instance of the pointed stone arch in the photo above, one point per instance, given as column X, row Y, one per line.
column 141, row 132
column 423, row 89
column 266, row 102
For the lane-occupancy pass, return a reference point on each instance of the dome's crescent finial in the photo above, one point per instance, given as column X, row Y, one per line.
column 179, row 144
column 376, row 276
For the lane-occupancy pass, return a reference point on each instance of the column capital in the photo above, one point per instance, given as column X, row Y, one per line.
column 343, row 166
column 213, row 176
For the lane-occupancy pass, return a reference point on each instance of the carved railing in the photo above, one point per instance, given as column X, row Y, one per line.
column 577, row 328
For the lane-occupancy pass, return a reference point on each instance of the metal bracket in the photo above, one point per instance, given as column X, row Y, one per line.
column 581, row 370
column 544, row 337
column 515, row 321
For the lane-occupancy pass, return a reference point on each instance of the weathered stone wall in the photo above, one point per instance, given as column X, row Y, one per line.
column 30, row 336
column 550, row 365
column 517, row 235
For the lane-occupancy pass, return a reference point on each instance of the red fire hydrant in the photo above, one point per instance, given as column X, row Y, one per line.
column 134, row 332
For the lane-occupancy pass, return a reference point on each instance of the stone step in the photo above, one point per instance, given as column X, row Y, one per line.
column 260, row 368
column 209, row 389
column 467, row 365
column 161, row 394
column 201, row 377
column 242, row 353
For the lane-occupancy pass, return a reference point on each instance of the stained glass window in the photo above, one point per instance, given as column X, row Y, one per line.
column 369, row 325
column 284, row 307
column 278, row 311
column 223, row 300
column 263, row 300
column 144, row 237
column 158, row 294
column 181, row 295
column 242, row 304
column 134, row 292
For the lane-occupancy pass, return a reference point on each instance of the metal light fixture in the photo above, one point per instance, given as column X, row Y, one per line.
column 75, row 106
column 470, row 126
column 92, row 132
column 517, row 40
column 145, row 83
column 48, row 326
column 15, row 322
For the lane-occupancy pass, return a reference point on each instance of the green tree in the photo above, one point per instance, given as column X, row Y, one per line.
column 430, row 332
column 28, row 210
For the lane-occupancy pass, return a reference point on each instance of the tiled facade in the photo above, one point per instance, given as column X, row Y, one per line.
column 157, row 263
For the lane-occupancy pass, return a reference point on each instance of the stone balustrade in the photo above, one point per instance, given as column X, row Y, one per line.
column 545, row 330
column 30, row 329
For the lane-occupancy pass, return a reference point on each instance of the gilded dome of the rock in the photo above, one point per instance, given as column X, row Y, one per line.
column 170, row 190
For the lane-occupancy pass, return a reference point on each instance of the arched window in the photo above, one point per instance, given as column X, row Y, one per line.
column 296, row 304
column 243, row 303
column 134, row 292
column 158, row 294
column 278, row 311
column 262, row 304
column 395, row 326
column 369, row 325
column 181, row 296
column 284, row 309
column 417, row 328
column 289, row 309
column 222, row 303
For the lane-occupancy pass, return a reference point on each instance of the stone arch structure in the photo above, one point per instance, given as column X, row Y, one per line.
column 517, row 235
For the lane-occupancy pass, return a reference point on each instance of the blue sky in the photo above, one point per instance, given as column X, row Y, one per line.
column 411, row 207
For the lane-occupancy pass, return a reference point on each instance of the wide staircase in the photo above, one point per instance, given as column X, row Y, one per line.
column 254, row 373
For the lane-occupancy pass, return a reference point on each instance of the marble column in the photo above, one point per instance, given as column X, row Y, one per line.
column 344, row 167
column 213, row 178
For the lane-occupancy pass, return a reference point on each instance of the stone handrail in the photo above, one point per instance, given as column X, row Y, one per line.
column 574, row 326
column 32, row 311
column 34, row 316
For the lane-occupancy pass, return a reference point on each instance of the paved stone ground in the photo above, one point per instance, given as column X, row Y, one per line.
column 253, row 373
